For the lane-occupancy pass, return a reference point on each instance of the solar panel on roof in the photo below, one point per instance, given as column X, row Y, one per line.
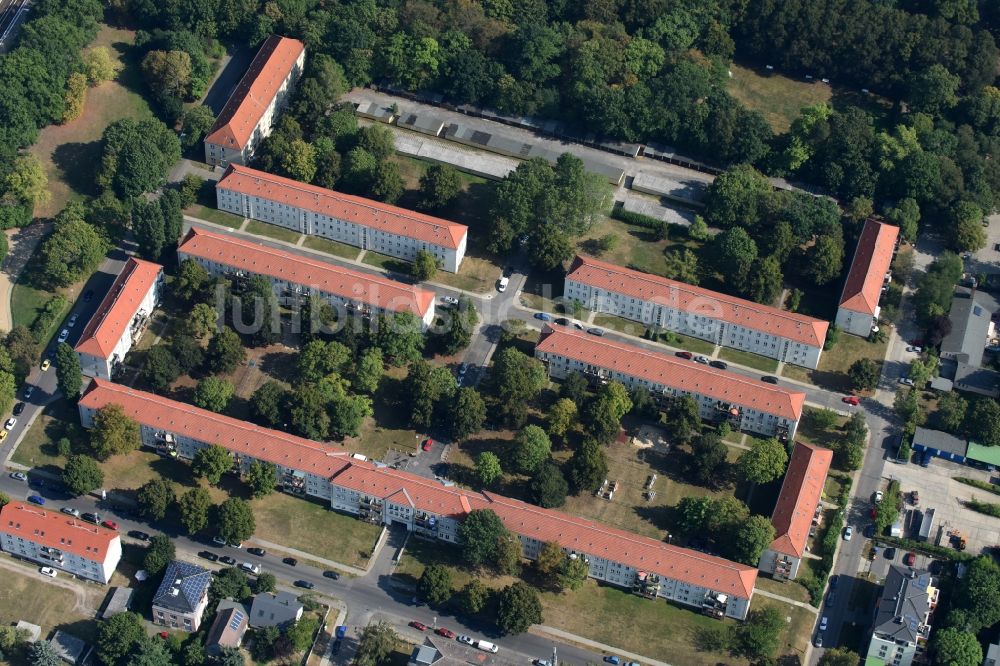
column 234, row 624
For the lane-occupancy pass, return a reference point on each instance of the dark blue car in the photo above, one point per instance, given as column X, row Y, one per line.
column 36, row 499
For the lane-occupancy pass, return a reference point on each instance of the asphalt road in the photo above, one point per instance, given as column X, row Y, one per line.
column 44, row 383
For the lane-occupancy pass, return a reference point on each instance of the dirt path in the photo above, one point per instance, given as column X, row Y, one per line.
column 82, row 603
column 22, row 244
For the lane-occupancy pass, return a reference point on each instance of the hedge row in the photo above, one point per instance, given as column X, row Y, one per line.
column 816, row 583
column 47, row 317
column 984, row 507
column 930, row 549
column 976, row 483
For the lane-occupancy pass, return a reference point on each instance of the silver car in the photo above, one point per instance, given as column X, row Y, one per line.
column 71, row 511
column 63, row 335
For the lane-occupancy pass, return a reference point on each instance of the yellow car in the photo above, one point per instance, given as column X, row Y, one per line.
column 46, row 364
column 3, row 434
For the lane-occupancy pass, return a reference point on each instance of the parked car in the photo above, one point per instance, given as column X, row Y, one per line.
column 18, row 408
column 541, row 662
column 878, row 496
column 19, row 476
column 819, row 640
column 822, row 623
column 9, row 425
column 909, row 559
column 63, row 335
column 290, row 561
column 3, row 435
column 92, row 518
column 543, row 316
column 305, row 584
column 848, row 533
column 228, row 561
column 209, row 555
column 769, row 379
column 48, row 571
column 333, row 575
column 218, row 541
column 851, row 400
column 721, row 365
column 562, row 321
column 906, row 381
column 250, row 568
column 87, row 295
column 110, row 524
column 833, row 582
column 36, row 499
column 914, row 349
column 46, row 364
column 259, row 552
column 612, row 659
column 466, row 640
column 684, row 354
column 428, row 444
column 925, row 459
column 462, row 369
column 72, row 321
column 502, row 284
column 890, row 553
column 595, row 331
column 701, row 359
column 28, row 391
column 443, row 631
column 137, row 534
column 449, row 300
column 419, row 626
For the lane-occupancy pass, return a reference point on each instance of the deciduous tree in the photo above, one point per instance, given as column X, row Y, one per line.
column 211, row 462
column 519, row 608
column 479, row 533
column 193, row 506
column 118, row 636
column 225, row 351
column 764, row 462
column 159, row 554
column 488, row 467
column 213, row 393
column 864, row 374
column 82, row 475
column 262, row 478
column 114, row 432
column 424, row 266
column 467, row 413
column 434, row 584
column 68, row 373
column 954, row 647
column 531, row 448
column 473, row 597
column 155, row 497
column 439, row 186
column 236, row 521
column 548, row 487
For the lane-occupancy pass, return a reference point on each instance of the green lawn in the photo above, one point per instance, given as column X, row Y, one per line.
column 476, row 274
column 271, row 231
column 811, row 432
column 387, row 263
column 834, row 363
column 695, row 345
column 27, row 302
column 634, row 246
column 626, row 326
column 331, row 247
column 778, row 97
column 38, row 446
column 25, row 597
column 748, row 359
column 214, row 215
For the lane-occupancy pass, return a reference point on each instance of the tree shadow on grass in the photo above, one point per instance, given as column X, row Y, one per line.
column 279, row 365
column 661, row 517
column 76, row 163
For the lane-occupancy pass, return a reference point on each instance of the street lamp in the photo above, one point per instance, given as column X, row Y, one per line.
column 669, row 538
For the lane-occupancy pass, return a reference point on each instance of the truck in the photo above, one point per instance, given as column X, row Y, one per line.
column 486, row 646
column 926, row 525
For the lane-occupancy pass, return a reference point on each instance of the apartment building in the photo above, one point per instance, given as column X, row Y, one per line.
column 867, row 279
column 797, row 513
column 182, row 597
column 370, row 225
column 431, row 509
column 708, row 315
column 120, row 319
column 60, row 541
column 903, row 616
column 260, row 96
column 746, row 403
column 295, row 276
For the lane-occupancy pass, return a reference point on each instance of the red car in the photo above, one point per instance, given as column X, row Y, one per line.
column 852, row 400
column 684, row 354
column 447, row 633
column 419, row 626
column 110, row 524
column 428, row 444
column 909, row 559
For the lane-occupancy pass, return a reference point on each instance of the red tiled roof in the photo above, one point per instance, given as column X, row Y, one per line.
column 118, row 308
column 686, row 297
column 246, row 106
column 237, row 436
column 56, row 530
column 423, row 494
column 373, row 214
column 872, row 259
column 670, row 371
column 298, row 269
column 801, row 492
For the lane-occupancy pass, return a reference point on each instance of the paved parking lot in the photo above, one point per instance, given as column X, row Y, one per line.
column 939, row 490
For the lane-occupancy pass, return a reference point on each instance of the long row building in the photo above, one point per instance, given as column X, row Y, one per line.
column 746, row 403
column 364, row 223
column 296, row 276
column 381, row 495
column 708, row 315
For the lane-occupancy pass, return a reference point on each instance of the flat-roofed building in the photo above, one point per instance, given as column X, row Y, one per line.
column 248, row 116
column 58, row 540
column 120, row 319
column 296, row 276
column 746, row 403
column 708, row 315
column 796, row 511
column 382, row 495
column 316, row 211
column 869, row 273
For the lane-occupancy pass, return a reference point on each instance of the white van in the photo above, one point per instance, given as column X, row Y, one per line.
column 250, row 567
column 486, row 646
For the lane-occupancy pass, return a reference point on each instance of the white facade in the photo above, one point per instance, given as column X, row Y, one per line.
column 856, row 323
column 95, row 569
column 282, row 288
column 696, row 324
column 309, row 222
column 780, row 565
column 749, row 419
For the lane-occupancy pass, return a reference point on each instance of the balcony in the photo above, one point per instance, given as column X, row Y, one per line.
column 727, row 411
column 370, row 510
column 138, row 325
column 294, row 483
column 714, row 604
column 646, row 584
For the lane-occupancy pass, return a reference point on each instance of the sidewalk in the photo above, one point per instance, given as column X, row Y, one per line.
column 542, row 630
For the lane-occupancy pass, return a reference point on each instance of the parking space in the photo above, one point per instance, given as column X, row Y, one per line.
column 939, row 490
